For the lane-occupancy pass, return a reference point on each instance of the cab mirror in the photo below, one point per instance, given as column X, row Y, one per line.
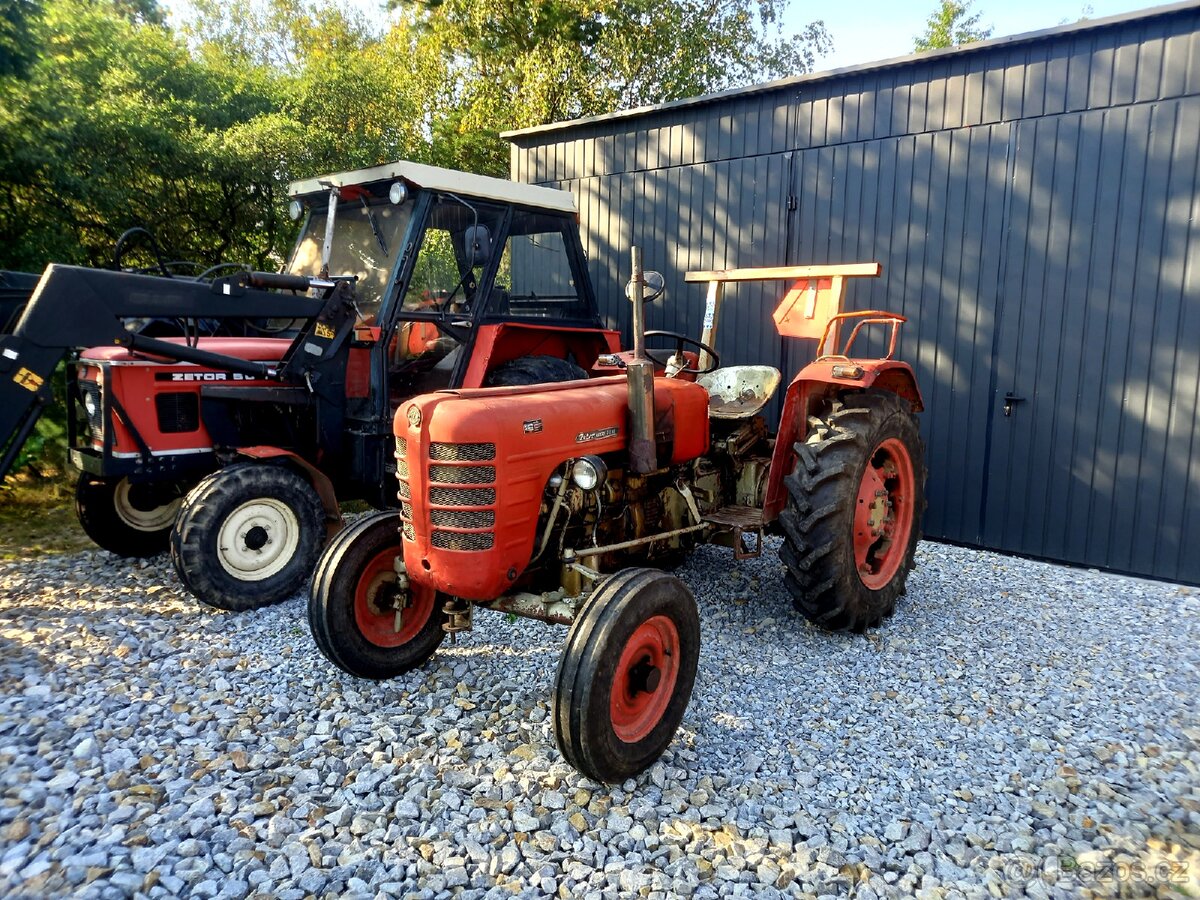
column 653, row 287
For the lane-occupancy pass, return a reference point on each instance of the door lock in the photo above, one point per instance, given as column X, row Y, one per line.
column 1009, row 399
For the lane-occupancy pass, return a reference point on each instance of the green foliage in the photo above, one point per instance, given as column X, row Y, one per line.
column 18, row 20
column 528, row 62
column 116, row 125
column 44, row 454
column 951, row 25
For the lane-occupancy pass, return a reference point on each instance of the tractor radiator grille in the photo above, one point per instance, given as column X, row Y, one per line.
column 462, row 540
column 457, row 491
column 463, row 474
column 463, row 518
column 461, row 452
column 178, row 412
column 403, row 491
column 462, row 496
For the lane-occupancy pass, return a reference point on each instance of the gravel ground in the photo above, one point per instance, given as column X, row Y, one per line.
column 1017, row 727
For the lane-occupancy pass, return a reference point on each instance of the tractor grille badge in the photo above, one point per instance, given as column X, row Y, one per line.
column 414, row 416
column 584, row 436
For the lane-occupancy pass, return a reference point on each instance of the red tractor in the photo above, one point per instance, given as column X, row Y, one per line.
column 549, row 502
column 236, row 450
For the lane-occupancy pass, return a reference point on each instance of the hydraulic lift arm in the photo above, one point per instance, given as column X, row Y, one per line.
column 75, row 307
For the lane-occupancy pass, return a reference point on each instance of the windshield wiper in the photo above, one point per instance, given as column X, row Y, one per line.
column 374, row 225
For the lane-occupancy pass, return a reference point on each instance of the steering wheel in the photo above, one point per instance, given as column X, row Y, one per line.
column 663, row 359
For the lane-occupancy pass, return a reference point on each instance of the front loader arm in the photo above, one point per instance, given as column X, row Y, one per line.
column 75, row 307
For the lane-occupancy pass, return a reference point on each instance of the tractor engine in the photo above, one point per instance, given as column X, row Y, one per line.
column 498, row 488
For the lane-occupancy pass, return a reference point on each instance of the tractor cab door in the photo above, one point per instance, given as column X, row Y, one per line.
column 451, row 276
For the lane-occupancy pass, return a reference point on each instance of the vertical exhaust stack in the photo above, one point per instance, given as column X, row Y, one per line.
column 640, row 375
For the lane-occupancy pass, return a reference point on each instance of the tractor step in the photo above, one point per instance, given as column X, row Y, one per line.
column 748, row 517
column 739, row 520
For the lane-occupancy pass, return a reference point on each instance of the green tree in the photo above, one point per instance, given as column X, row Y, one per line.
column 116, row 125
column 18, row 19
column 529, row 62
column 951, row 25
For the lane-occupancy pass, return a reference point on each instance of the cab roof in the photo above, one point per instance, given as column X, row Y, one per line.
column 418, row 175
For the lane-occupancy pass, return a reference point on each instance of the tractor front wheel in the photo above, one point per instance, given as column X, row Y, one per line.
column 125, row 518
column 248, row 536
column 853, row 514
column 626, row 674
column 363, row 620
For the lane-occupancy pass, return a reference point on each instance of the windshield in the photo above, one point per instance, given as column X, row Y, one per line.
column 358, row 248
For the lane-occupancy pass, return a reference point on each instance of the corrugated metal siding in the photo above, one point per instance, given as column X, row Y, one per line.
column 1035, row 207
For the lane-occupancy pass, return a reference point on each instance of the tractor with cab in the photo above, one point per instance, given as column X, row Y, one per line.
column 234, row 451
column 564, row 502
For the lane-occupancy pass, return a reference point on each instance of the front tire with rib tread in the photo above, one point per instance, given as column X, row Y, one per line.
column 626, row 674
column 346, row 628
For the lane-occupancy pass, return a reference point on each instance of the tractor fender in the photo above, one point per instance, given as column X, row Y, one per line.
column 320, row 481
column 814, row 386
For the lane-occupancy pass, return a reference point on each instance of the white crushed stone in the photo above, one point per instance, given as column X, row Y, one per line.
column 1016, row 728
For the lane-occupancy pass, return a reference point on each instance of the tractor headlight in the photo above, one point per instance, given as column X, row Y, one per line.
column 295, row 210
column 398, row 192
column 589, row 472
column 90, row 404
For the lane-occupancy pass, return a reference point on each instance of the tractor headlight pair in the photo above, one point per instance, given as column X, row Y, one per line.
column 589, row 472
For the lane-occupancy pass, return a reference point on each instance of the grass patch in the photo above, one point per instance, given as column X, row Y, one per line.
column 37, row 518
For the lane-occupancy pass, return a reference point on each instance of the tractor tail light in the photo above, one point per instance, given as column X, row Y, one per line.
column 852, row 372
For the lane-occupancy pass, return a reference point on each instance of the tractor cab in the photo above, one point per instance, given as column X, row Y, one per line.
column 456, row 276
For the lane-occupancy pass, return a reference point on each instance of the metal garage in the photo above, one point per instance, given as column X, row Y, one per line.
column 1034, row 202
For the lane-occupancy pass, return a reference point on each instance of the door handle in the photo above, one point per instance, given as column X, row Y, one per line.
column 1009, row 399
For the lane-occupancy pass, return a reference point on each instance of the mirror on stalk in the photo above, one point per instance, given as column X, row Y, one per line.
column 653, row 285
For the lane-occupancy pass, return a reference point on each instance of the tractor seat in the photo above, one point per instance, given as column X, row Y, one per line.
column 736, row 392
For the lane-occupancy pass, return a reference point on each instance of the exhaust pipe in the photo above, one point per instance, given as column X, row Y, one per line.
column 640, row 377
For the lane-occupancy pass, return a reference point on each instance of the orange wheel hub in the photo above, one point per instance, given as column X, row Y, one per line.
column 883, row 514
column 385, row 615
column 645, row 679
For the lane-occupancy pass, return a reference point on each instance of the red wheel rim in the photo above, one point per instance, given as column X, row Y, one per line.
column 645, row 679
column 374, row 604
column 883, row 514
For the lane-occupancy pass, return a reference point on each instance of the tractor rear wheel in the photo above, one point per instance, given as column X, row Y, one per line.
column 248, row 536
column 626, row 674
column 534, row 370
column 853, row 515
column 362, row 620
column 125, row 518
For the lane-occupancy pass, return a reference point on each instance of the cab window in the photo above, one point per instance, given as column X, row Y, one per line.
column 535, row 279
column 456, row 247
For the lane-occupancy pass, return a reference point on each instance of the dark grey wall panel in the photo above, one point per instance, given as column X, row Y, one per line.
column 1035, row 205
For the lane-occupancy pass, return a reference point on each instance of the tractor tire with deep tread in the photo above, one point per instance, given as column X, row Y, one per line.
column 534, row 370
column 626, row 674
column 124, row 518
column 856, row 496
column 248, row 536
column 351, row 604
